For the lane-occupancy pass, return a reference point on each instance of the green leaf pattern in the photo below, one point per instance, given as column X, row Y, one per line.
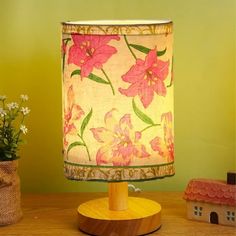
column 85, row 123
column 82, row 142
column 146, row 50
column 91, row 77
column 145, row 118
column 74, row 144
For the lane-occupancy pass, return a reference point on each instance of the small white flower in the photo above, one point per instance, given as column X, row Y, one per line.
column 2, row 112
column 12, row 105
column 2, row 97
column 23, row 129
column 25, row 110
column 24, row 97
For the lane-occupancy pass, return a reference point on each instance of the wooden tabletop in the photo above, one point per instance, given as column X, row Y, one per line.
column 55, row 214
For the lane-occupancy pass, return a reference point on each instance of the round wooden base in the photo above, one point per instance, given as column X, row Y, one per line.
column 142, row 217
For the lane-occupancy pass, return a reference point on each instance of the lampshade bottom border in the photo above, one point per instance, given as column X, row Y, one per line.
column 122, row 180
column 73, row 172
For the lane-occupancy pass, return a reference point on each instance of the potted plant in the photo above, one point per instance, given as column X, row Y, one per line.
column 12, row 117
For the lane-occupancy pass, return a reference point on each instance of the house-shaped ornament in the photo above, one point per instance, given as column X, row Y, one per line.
column 212, row 201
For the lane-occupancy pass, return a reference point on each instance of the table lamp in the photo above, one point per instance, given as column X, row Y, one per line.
column 118, row 117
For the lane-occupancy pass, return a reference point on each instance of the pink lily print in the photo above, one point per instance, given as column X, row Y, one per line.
column 72, row 113
column 146, row 78
column 89, row 52
column 120, row 143
column 165, row 147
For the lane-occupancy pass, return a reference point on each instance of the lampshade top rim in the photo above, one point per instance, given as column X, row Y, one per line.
column 118, row 22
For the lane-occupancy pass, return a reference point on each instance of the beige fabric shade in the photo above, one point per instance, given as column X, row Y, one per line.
column 118, row 100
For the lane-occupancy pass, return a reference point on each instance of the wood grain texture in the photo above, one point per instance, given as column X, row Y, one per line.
column 118, row 196
column 56, row 215
column 141, row 217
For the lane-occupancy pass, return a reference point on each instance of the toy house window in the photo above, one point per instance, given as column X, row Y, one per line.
column 230, row 216
column 197, row 211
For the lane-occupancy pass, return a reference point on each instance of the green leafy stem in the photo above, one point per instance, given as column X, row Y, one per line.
column 141, row 48
column 171, row 80
column 9, row 134
column 65, row 41
column 96, row 78
column 81, row 135
column 142, row 116
column 109, row 81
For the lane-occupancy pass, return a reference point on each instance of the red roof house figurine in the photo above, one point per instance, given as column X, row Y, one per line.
column 212, row 201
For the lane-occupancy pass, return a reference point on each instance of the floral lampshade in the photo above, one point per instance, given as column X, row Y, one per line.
column 118, row 100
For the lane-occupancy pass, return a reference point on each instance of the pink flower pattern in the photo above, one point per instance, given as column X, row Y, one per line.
column 165, row 147
column 72, row 113
column 89, row 52
column 146, row 77
column 121, row 144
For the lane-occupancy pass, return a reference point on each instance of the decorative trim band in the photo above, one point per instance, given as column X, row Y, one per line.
column 115, row 174
column 145, row 29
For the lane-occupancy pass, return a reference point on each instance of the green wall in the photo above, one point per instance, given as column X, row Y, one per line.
column 204, row 70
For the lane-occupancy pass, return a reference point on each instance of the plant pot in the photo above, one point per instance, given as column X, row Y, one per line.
column 10, row 206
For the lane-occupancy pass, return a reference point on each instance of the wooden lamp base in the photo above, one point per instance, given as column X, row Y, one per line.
column 138, row 215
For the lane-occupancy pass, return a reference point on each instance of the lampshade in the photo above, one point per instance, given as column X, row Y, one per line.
column 118, row 117
column 118, row 100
